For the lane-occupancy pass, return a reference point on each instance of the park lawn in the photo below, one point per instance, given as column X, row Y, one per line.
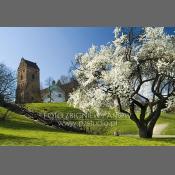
column 124, row 125
column 17, row 130
column 62, row 107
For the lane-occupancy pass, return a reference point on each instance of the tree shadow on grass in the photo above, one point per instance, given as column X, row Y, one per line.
column 23, row 125
column 17, row 140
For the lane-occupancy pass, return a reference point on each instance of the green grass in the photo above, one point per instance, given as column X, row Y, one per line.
column 52, row 107
column 17, row 130
column 124, row 125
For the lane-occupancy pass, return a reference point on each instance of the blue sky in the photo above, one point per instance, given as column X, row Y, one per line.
column 52, row 48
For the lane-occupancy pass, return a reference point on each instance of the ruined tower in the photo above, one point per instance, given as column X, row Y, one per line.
column 28, row 82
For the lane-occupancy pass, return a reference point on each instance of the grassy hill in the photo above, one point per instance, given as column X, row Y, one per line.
column 17, row 130
column 124, row 124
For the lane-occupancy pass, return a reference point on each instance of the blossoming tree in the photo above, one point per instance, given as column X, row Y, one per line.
column 135, row 73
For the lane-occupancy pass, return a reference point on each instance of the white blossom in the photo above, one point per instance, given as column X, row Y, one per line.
column 106, row 72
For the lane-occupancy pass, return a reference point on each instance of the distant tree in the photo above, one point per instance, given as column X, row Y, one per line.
column 64, row 79
column 59, row 83
column 7, row 84
column 49, row 83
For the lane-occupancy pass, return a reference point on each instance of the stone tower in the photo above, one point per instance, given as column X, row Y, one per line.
column 28, row 82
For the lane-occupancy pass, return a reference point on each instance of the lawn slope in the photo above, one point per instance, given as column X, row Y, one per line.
column 124, row 125
column 17, row 130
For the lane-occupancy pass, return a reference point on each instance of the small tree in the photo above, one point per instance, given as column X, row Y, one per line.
column 7, row 84
column 137, row 71
column 49, row 83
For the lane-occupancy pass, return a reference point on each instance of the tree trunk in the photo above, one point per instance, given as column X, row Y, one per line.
column 144, row 132
column 146, row 127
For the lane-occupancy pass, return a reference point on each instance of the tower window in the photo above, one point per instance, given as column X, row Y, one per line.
column 33, row 76
column 21, row 77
